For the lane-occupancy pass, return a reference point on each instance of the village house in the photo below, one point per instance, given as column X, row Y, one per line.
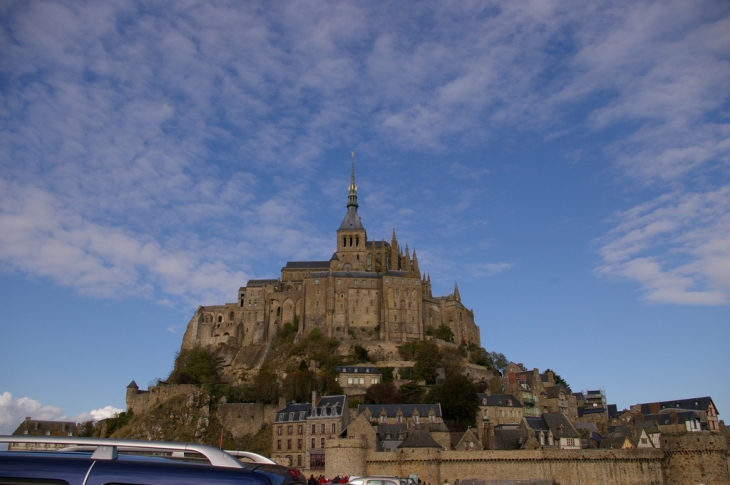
column 301, row 431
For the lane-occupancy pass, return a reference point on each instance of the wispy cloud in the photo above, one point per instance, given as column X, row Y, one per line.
column 677, row 247
column 138, row 141
column 14, row 410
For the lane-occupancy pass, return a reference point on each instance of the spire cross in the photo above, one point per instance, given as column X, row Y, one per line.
column 352, row 198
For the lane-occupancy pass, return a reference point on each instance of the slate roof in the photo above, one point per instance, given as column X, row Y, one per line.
column 666, row 418
column 501, row 400
column 351, row 220
column 303, row 411
column 419, row 438
column 392, row 272
column 257, row 283
column 307, row 265
column 36, row 427
column 509, row 438
column 293, row 412
column 394, row 430
column 593, row 410
column 615, row 443
column 391, row 410
column 560, row 425
column 376, row 244
column 695, row 403
column 327, row 403
column 589, row 426
column 554, row 391
column 353, row 369
column 612, row 410
column 431, row 427
column 649, row 426
column 345, row 274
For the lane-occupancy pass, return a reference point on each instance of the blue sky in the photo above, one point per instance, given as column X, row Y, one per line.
column 566, row 163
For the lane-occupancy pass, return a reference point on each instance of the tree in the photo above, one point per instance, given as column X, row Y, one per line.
column 196, row 366
column 265, row 387
column 383, row 394
column 427, row 360
column 298, row 385
column 86, row 429
column 452, row 362
column 408, row 350
column 558, row 380
column 499, row 361
column 386, row 374
column 458, row 399
column 412, row 393
column 444, row 332
column 361, row 354
column 495, row 385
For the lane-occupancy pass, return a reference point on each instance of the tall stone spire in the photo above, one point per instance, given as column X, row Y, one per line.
column 352, row 197
column 457, row 296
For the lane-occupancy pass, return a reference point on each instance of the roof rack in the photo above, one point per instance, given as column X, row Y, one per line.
column 107, row 448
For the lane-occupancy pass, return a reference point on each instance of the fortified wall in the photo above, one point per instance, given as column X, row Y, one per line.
column 241, row 419
column 143, row 401
column 691, row 458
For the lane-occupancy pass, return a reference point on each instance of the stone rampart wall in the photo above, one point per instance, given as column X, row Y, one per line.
column 143, row 401
column 607, row 467
column 241, row 419
column 684, row 450
column 684, row 458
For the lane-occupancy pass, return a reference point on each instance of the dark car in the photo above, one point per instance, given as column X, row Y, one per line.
column 96, row 461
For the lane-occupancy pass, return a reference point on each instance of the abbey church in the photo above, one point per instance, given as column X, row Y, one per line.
column 368, row 291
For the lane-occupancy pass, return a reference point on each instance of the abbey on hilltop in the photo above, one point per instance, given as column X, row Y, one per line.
column 367, row 291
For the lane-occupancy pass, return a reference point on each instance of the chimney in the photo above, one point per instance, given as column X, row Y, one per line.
column 315, row 399
column 282, row 402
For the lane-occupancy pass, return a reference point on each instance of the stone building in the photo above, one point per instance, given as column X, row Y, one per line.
column 355, row 379
column 34, row 427
column 369, row 290
column 300, row 431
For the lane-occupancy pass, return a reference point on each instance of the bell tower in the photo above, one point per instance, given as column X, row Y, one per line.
column 351, row 236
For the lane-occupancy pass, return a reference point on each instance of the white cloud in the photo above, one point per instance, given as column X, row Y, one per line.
column 98, row 414
column 130, row 138
column 14, row 410
column 677, row 247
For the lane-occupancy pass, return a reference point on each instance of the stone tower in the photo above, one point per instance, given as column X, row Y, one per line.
column 351, row 251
